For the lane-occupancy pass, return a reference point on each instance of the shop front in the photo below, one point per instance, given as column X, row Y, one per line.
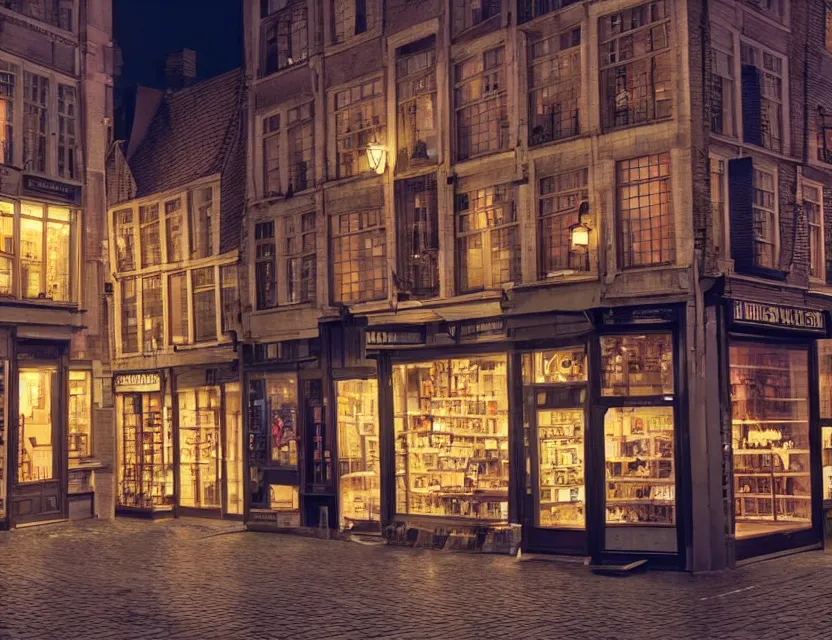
column 776, row 442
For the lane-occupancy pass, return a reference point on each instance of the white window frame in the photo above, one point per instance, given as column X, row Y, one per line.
column 821, row 256
column 769, row 168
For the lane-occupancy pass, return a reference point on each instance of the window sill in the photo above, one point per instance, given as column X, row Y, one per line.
column 263, row 76
column 284, row 308
column 554, row 281
column 475, row 30
column 89, row 463
column 492, row 156
column 69, row 306
column 779, row 155
column 635, row 125
column 551, row 143
column 333, row 49
column 52, row 176
column 367, row 175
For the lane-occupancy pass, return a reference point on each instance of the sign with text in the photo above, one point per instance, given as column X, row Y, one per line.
column 37, row 186
column 471, row 331
column 379, row 339
column 137, row 382
column 761, row 314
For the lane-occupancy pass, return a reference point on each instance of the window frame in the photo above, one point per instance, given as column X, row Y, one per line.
column 719, row 49
column 414, row 85
column 368, row 224
column 293, row 13
column 819, row 259
column 580, row 193
column 763, row 168
column 263, row 261
column 360, row 26
column 66, row 25
column 377, row 131
column 783, row 101
column 305, row 125
column 490, row 11
column 303, row 253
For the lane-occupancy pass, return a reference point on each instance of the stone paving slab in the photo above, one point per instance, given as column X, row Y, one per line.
column 203, row 579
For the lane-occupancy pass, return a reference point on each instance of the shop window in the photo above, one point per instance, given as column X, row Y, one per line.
column 645, row 213
column 560, row 197
column 813, row 206
column 174, row 229
column 530, row 9
column 825, row 390
column 554, row 86
column 58, row 253
column 7, row 248
column 199, row 442
column 35, row 121
column 481, row 104
column 636, row 65
column 762, row 97
column 358, row 454
column 31, row 250
column 80, row 415
column 234, row 449
column 129, row 305
column 271, row 156
column 350, row 18
column 359, row 257
column 285, row 37
column 640, row 466
column 469, row 13
column 8, row 94
column 300, row 133
column 152, row 314
column 300, row 247
column 637, row 365
column 229, row 297
column 451, row 425
column 722, row 81
column 125, row 240
column 204, row 304
column 417, row 236
column 417, row 132
column 36, row 457
column 151, row 247
column 200, row 222
column 770, row 438
column 178, row 309
column 359, row 122
column 487, row 238
column 284, row 498
column 67, row 136
column 264, row 266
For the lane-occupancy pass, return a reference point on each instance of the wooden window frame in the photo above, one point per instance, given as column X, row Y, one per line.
column 271, row 132
column 723, row 86
column 568, row 190
column 817, row 258
column 417, row 236
column 464, row 14
column 352, row 234
column 300, row 129
column 298, row 255
column 416, row 82
column 530, row 9
column 489, row 108
column 68, row 132
column 353, row 131
column 756, row 71
column 289, row 25
column 265, row 254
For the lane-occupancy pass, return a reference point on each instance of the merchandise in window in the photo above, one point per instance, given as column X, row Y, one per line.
column 359, row 122
column 204, row 304
column 417, row 226
column 469, row 13
column 67, row 140
column 8, row 78
column 762, row 97
column 813, row 206
column 36, row 387
column 359, row 257
column 554, row 86
column 234, row 456
column 350, row 18
column 199, row 447
column 765, row 219
column 129, row 316
column 79, row 424
column 722, row 81
column 358, row 453
column 264, row 266
column 645, row 214
column 636, row 65
column 300, row 257
column 35, row 121
column 770, row 438
column 174, row 225
column 178, row 309
column 271, row 156
column 152, row 314
column 149, row 233
column 487, row 238
column 417, row 134
column 451, row 425
column 285, row 37
column 300, row 134
column 558, row 211
column 481, row 104
column 637, row 365
column 200, row 221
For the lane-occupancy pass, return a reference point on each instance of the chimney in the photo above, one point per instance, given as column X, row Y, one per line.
column 180, row 69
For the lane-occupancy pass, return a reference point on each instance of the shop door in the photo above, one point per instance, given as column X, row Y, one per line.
column 38, row 492
column 358, row 455
column 199, row 448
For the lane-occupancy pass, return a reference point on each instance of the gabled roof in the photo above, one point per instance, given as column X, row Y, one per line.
column 190, row 136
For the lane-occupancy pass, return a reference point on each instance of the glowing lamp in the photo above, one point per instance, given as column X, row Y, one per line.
column 376, row 156
column 580, row 236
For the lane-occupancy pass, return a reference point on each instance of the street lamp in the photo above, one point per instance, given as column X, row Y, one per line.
column 579, row 233
column 376, row 156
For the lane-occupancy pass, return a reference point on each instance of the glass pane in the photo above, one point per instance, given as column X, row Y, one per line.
column 282, row 412
column 199, row 441
column 6, row 227
column 178, row 311
column 566, row 365
column 637, row 365
column 770, row 438
column 6, row 276
column 640, row 470
column 57, row 261
column 451, row 421
column 80, row 415
column 35, row 408
column 825, row 378
column 59, row 213
column 31, row 257
column 560, row 434
column 234, row 448
column 358, row 453
column 31, row 209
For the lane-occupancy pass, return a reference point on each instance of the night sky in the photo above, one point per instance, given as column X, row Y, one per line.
column 147, row 30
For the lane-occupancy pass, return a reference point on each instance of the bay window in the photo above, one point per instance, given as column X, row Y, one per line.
column 200, row 222
column 559, row 200
column 129, row 316
column 8, row 78
column 229, row 297
column 554, row 86
column 125, row 240
column 416, row 125
column 636, row 65
column 481, row 103
column 35, row 121
column 173, row 229
column 359, row 256
column 149, row 234
column 359, row 121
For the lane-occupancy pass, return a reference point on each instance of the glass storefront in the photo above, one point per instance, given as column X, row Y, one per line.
column 234, row 448
column 451, row 427
column 770, row 437
column 199, row 447
column 36, row 460
column 80, row 415
column 358, row 453
column 825, row 389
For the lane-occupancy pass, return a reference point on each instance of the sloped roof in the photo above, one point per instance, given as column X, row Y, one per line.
column 190, row 136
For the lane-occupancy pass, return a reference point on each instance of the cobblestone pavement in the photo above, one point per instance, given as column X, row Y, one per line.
column 204, row 579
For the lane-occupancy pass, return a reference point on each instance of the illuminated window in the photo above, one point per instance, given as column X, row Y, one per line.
column 350, row 18
column 35, row 121
column 273, row 431
column 469, row 13
column 129, row 305
column 80, row 415
column 67, row 135
column 8, row 79
column 205, row 304
column 264, row 267
column 36, row 457
column 7, row 248
column 765, row 219
column 813, row 206
column 152, row 314
column 359, row 121
column 359, row 257
column 645, row 215
column 200, row 218
column 560, row 199
column 416, row 125
column 300, row 133
column 271, row 156
column 554, row 86
column 636, row 65
column 178, row 308
column 174, row 229
column 487, row 238
column 722, row 81
column 199, row 447
column 151, row 246
column 234, row 456
column 285, row 37
column 480, row 100
column 299, row 256
column 762, row 97
column 125, row 239
column 45, row 257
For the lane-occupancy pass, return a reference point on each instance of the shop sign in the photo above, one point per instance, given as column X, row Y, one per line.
column 379, row 339
column 759, row 314
column 470, row 331
column 37, row 186
column 9, row 180
column 281, row 520
column 137, row 382
column 638, row 316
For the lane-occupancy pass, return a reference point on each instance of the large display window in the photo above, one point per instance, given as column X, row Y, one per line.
column 234, row 448
column 770, row 438
column 80, row 415
column 358, row 453
column 199, row 447
column 825, row 392
column 451, row 425
column 36, row 460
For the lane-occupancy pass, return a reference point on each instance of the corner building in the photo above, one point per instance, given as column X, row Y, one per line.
column 500, row 290
column 56, row 445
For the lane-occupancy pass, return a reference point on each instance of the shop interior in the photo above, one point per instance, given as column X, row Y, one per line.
column 80, row 416
column 199, row 448
column 234, row 448
column 36, row 460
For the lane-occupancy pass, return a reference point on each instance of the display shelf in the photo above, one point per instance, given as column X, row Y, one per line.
column 560, row 459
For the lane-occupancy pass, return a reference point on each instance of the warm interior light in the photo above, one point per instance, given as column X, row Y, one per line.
column 376, row 156
column 580, row 236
